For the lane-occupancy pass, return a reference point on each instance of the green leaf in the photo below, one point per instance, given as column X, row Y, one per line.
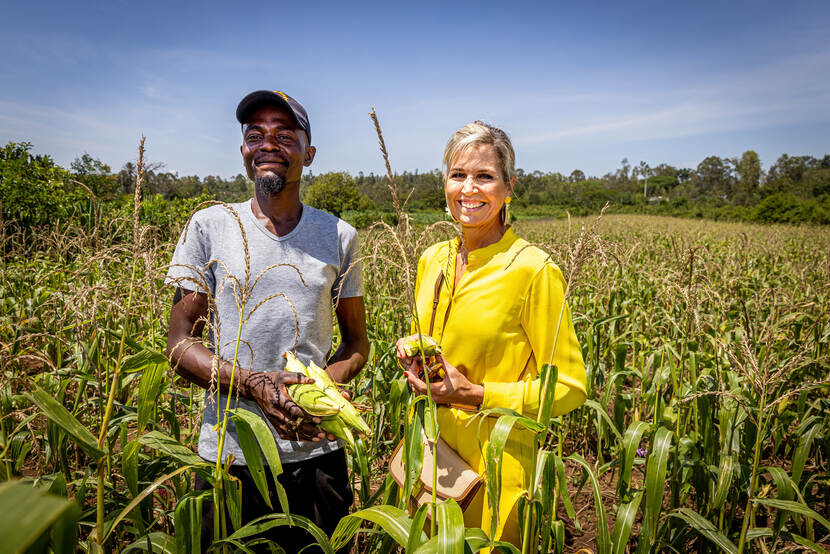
column 655, row 486
column 129, row 465
column 495, row 451
column 726, row 473
column 475, row 539
column 802, row 451
column 450, row 522
column 795, row 507
column 547, row 392
column 787, row 490
column 143, row 359
column 269, row 449
column 391, row 519
column 601, row 413
column 545, row 481
column 30, row 512
column 141, row 496
column 628, row 452
column 170, row 446
column 558, row 532
column 802, row 541
column 250, row 449
column 625, row 521
column 59, row 415
column 187, row 520
column 148, row 393
column 416, row 535
column 160, row 543
column 413, row 455
column 705, row 528
column 564, row 494
column 603, row 538
column 232, row 488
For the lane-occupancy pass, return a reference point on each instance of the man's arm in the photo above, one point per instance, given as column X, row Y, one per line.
column 190, row 359
column 351, row 355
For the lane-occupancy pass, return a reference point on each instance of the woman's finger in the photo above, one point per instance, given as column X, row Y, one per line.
column 416, row 384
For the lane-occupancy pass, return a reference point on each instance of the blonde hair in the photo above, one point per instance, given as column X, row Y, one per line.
column 479, row 132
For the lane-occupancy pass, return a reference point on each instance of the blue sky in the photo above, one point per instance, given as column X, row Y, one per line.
column 576, row 86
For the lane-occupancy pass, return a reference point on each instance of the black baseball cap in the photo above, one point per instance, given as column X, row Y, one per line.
column 259, row 98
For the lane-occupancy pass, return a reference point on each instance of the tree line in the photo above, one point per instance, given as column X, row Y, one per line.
column 35, row 190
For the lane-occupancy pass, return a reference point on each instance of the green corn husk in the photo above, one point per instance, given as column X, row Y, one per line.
column 339, row 429
column 313, row 400
column 348, row 412
column 412, row 346
column 346, row 415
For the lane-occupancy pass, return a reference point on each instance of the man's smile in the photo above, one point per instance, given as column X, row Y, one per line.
column 270, row 161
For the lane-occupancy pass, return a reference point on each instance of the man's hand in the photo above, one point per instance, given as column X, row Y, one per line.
column 291, row 422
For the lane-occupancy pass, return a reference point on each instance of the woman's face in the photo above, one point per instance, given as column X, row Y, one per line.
column 475, row 188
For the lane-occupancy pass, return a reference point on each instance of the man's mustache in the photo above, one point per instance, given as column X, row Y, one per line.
column 269, row 158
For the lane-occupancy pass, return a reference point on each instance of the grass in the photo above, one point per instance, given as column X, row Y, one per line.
column 706, row 428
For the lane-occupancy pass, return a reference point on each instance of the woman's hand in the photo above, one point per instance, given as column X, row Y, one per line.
column 411, row 365
column 454, row 389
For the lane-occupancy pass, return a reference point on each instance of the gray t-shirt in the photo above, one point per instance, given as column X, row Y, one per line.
column 280, row 306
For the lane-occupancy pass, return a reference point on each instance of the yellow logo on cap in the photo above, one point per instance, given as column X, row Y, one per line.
column 281, row 93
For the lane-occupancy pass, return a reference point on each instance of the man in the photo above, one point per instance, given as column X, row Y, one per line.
column 284, row 273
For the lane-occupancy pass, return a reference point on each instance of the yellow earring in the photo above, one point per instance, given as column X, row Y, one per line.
column 507, row 200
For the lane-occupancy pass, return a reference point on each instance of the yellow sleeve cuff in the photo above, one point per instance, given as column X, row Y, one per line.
column 505, row 395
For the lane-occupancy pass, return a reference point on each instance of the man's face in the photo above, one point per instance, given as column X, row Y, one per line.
column 273, row 150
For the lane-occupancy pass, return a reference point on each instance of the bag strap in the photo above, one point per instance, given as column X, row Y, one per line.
column 438, row 283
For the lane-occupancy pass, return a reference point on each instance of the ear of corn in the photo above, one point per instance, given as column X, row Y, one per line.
column 348, row 412
column 412, row 346
column 326, row 402
column 313, row 400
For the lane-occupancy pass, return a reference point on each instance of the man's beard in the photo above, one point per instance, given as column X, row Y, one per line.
column 271, row 184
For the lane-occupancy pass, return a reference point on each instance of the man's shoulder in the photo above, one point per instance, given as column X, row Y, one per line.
column 221, row 211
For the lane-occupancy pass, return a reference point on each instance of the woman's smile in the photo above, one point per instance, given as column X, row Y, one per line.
column 470, row 205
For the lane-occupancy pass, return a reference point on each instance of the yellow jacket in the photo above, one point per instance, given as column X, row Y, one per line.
column 498, row 327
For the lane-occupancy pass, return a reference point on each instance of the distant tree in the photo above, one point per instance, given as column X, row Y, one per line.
column 625, row 169
column 335, row 193
column 576, row 176
column 749, row 172
column 788, row 173
column 126, row 177
column 714, row 177
column 95, row 174
column 645, row 173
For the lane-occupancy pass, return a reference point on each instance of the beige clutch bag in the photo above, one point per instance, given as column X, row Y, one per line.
column 455, row 478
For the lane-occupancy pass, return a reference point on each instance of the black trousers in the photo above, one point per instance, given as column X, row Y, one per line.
column 317, row 488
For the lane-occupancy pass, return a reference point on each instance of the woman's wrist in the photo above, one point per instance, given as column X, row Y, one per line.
column 474, row 396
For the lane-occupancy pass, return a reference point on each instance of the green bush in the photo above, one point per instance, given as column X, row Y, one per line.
column 35, row 191
column 335, row 192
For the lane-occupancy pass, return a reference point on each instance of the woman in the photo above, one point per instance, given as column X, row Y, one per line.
column 496, row 320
